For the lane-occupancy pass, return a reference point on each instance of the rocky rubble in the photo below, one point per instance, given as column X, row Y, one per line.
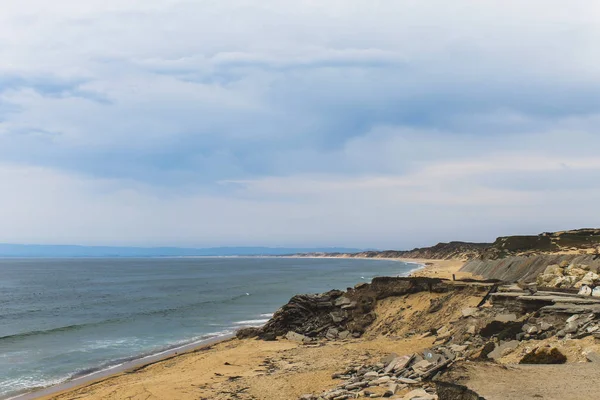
column 571, row 276
column 397, row 377
column 488, row 333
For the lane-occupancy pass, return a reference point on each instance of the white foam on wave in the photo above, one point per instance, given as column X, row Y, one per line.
column 26, row 383
column 267, row 315
column 252, row 322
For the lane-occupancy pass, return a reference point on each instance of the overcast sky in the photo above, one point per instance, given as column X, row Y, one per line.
column 367, row 123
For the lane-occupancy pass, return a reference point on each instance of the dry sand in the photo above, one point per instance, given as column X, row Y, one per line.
column 243, row 369
column 440, row 268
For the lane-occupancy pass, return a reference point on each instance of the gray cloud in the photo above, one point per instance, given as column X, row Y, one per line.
column 477, row 114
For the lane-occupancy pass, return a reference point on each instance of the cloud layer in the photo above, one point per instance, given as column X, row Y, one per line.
column 362, row 123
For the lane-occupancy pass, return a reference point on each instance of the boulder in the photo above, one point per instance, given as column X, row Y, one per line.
column 297, row 337
column 588, row 279
column 585, row 290
column 505, row 317
column 332, row 333
column 469, row 311
column 544, row 355
column 596, row 291
column 553, row 270
column 575, row 271
column 246, row 333
column 453, row 391
column 571, row 327
column 342, row 301
column 592, row 356
column 503, row 349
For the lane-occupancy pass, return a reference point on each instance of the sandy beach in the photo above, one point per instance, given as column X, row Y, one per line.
column 257, row 369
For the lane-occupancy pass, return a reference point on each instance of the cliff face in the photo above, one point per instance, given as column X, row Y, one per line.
column 525, row 268
column 339, row 315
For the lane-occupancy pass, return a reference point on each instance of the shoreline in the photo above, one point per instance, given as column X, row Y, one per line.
column 123, row 368
column 424, row 267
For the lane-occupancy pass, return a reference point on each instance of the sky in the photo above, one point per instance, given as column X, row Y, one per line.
column 363, row 123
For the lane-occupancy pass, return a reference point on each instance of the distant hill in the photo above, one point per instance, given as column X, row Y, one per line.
column 36, row 250
column 580, row 241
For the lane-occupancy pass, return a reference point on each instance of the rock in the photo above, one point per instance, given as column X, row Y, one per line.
column 544, row 326
column 486, row 350
column 247, row 333
column 342, row 301
column 458, row 348
column 588, row 279
column 332, row 333
column 371, row 375
column 585, row 291
column 397, row 364
column 471, row 330
column 532, row 330
column 573, row 317
column 357, row 385
column 393, row 388
column 453, row 391
column 414, row 394
column 553, row 270
column 349, row 306
column 571, row 327
column 381, row 381
column 361, row 285
column 578, row 273
column 422, row 365
column 544, row 355
column 308, row 397
column 503, row 349
column 564, row 264
column 469, row 311
column 431, row 356
column 297, row 337
column 444, row 332
column 596, row 291
column 592, row 356
column 344, row 335
column 268, row 336
column 389, row 358
column 337, row 316
column 407, row 381
column 506, row 317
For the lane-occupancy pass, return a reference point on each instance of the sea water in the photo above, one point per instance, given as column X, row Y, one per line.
column 63, row 318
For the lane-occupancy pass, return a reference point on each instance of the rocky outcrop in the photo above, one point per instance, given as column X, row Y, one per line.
column 338, row 314
column 579, row 239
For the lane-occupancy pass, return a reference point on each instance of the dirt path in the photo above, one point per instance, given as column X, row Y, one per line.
column 577, row 381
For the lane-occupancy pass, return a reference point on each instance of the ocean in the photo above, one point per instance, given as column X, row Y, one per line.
column 64, row 318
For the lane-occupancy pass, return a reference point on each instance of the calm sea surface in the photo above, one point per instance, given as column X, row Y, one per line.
column 61, row 318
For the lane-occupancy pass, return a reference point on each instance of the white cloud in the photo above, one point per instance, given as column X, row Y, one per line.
column 348, row 122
